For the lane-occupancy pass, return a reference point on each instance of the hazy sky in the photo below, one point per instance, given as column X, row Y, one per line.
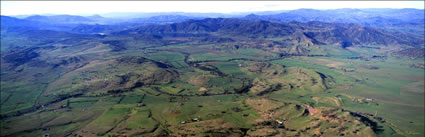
column 98, row 7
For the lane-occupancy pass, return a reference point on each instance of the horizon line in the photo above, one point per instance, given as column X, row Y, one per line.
column 165, row 12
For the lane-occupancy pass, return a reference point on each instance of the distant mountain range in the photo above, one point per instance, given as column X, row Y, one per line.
column 345, row 27
column 60, row 19
column 164, row 19
column 408, row 20
column 11, row 24
column 405, row 20
column 85, row 25
column 309, row 33
column 359, row 16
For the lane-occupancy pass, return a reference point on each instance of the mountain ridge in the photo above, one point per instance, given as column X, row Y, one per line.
column 319, row 32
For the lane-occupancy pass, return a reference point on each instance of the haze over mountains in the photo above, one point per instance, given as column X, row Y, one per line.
column 311, row 32
column 344, row 27
column 405, row 20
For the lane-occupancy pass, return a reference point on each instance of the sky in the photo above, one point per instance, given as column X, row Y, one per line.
column 99, row 7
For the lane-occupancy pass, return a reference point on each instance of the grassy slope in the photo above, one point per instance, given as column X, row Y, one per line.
column 391, row 85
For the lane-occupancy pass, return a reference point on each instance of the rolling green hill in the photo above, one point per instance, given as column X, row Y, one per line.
column 213, row 77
